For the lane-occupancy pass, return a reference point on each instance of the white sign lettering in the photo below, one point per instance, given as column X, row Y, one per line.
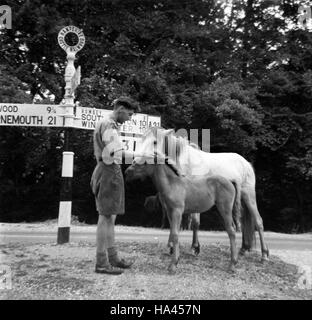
column 5, row 17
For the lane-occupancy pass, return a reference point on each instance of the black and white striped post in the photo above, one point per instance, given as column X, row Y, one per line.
column 65, row 198
column 72, row 80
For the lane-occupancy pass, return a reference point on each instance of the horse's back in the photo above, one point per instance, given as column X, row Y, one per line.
column 231, row 166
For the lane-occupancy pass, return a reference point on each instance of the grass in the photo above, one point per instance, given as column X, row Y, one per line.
column 48, row 271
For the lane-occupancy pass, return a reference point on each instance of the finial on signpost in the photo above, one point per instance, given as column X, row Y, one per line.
column 70, row 71
column 72, row 79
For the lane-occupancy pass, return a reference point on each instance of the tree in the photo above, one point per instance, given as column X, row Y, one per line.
column 243, row 71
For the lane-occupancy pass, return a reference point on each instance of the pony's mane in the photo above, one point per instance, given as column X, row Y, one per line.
column 180, row 143
column 173, row 168
column 152, row 130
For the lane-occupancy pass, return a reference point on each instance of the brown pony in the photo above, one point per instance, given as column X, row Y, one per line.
column 183, row 195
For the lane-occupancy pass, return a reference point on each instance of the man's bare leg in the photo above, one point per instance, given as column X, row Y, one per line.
column 105, row 239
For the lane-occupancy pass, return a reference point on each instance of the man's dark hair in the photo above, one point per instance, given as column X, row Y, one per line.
column 125, row 102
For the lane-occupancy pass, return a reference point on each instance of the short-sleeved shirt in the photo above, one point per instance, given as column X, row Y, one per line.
column 107, row 144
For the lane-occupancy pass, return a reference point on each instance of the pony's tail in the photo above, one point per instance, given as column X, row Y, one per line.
column 248, row 229
column 237, row 208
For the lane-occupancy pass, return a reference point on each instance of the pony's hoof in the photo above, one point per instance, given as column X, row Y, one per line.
column 196, row 250
column 172, row 269
column 264, row 259
column 231, row 268
column 267, row 252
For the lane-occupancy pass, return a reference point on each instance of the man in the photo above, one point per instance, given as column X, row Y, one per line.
column 108, row 185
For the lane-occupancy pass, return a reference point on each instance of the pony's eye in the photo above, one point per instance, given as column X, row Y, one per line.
column 155, row 142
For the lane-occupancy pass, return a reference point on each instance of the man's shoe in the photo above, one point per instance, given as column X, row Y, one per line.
column 122, row 263
column 108, row 270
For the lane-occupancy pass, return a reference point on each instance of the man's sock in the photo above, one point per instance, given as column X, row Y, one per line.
column 113, row 255
column 102, row 259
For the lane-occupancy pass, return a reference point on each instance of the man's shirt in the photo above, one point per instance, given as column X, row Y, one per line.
column 107, row 144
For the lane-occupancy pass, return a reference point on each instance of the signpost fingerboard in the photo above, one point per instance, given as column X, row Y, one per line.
column 131, row 131
column 33, row 115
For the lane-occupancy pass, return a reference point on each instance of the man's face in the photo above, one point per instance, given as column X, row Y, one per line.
column 124, row 114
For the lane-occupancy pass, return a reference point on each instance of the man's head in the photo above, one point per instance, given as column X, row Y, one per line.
column 124, row 108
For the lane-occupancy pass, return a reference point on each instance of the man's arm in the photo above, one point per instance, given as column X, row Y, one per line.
column 115, row 148
column 128, row 153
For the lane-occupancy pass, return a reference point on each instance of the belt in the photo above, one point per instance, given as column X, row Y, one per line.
column 100, row 160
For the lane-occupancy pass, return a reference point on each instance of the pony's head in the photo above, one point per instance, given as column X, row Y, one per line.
column 165, row 142
column 153, row 141
column 145, row 166
column 141, row 168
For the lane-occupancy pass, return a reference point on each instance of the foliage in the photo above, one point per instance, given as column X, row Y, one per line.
column 244, row 72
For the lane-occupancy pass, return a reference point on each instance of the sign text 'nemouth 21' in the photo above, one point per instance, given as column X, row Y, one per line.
column 34, row 115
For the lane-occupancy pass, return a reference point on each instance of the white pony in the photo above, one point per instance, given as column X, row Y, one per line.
column 232, row 166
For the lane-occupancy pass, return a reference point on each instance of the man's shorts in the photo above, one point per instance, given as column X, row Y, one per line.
column 107, row 185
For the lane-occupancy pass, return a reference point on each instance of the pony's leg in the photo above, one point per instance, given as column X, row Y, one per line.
column 195, row 227
column 237, row 208
column 170, row 242
column 163, row 219
column 245, row 212
column 225, row 209
column 249, row 198
column 170, row 239
column 175, row 224
column 230, row 229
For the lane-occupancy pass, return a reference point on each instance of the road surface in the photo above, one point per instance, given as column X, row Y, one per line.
column 274, row 241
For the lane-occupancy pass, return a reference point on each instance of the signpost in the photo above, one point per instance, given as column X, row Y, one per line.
column 67, row 116
column 72, row 78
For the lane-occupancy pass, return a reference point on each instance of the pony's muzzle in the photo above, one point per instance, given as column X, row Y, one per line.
column 129, row 174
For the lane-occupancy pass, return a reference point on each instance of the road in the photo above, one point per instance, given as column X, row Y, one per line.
column 274, row 242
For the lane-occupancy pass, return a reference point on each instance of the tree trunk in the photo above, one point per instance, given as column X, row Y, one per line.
column 246, row 37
